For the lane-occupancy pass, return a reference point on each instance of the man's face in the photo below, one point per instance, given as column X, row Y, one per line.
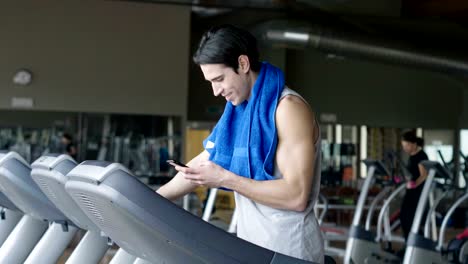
column 227, row 83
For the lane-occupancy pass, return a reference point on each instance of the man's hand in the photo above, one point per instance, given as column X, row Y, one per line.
column 207, row 174
column 179, row 186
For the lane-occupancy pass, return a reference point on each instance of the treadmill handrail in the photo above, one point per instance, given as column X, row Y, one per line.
column 423, row 198
column 325, row 208
column 431, row 211
column 446, row 219
column 363, row 195
column 385, row 207
column 373, row 205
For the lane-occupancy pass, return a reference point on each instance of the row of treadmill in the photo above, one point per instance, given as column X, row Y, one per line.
column 425, row 244
column 45, row 203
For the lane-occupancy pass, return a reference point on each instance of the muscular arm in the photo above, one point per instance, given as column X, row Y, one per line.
column 295, row 156
column 179, row 186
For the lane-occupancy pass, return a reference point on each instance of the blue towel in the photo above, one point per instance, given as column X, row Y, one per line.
column 244, row 140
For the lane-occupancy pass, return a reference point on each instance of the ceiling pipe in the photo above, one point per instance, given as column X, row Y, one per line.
column 349, row 44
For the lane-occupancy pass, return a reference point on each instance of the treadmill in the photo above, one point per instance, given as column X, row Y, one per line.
column 40, row 214
column 153, row 228
column 9, row 214
column 9, row 217
column 421, row 248
column 49, row 172
column 361, row 244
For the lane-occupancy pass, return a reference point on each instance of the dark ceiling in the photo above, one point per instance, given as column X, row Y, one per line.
column 437, row 26
column 427, row 11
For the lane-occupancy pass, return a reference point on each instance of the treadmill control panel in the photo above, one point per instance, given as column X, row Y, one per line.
column 50, row 161
column 95, row 171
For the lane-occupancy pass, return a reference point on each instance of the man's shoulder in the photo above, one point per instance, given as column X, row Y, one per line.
column 295, row 119
column 292, row 104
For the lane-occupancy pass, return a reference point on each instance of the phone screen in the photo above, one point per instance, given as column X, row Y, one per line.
column 177, row 163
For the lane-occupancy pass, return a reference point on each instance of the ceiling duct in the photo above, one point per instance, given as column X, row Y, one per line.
column 353, row 44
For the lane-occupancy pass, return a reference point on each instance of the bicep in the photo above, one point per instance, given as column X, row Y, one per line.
column 297, row 133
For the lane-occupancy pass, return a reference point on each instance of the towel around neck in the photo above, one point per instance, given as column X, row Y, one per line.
column 245, row 138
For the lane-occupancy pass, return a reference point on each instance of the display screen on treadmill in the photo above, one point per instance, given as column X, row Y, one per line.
column 96, row 163
column 54, row 155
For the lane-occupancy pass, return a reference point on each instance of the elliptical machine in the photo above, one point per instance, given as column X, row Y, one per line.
column 422, row 249
column 361, row 242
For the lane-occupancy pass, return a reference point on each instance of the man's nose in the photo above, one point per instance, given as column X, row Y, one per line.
column 217, row 90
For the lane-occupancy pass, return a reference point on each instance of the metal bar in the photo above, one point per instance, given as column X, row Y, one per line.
column 385, row 208
column 52, row 244
column 363, row 195
column 422, row 201
column 210, row 204
column 446, row 219
column 22, row 240
column 373, row 205
column 91, row 249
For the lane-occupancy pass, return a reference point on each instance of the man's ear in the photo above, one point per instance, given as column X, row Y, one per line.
column 244, row 64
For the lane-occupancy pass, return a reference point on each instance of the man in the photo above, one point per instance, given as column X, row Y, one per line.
column 265, row 147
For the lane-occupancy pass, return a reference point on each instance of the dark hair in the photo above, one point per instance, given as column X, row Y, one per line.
column 410, row 136
column 420, row 142
column 67, row 136
column 224, row 44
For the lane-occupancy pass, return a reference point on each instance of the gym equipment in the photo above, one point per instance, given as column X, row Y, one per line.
column 330, row 231
column 361, row 242
column 49, row 172
column 16, row 183
column 422, row 249
column 151, row 227
column 457, row 249
column 9, row 216
column 28, row 230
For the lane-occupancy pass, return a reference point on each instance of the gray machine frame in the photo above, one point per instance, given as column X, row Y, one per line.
column 28, row 231
column 421, row 249
column 463, row 254
column 151, row 227
column 10, row 215
column 49, row 172
column 361, row 243
column 28, row 243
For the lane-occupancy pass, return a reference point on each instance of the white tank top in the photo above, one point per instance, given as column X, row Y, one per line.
column 288, row 232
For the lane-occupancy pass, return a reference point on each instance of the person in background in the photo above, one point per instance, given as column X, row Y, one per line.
column 413, row 146
column 68, row 145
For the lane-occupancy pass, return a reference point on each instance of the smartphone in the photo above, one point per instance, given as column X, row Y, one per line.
column 177, row 163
